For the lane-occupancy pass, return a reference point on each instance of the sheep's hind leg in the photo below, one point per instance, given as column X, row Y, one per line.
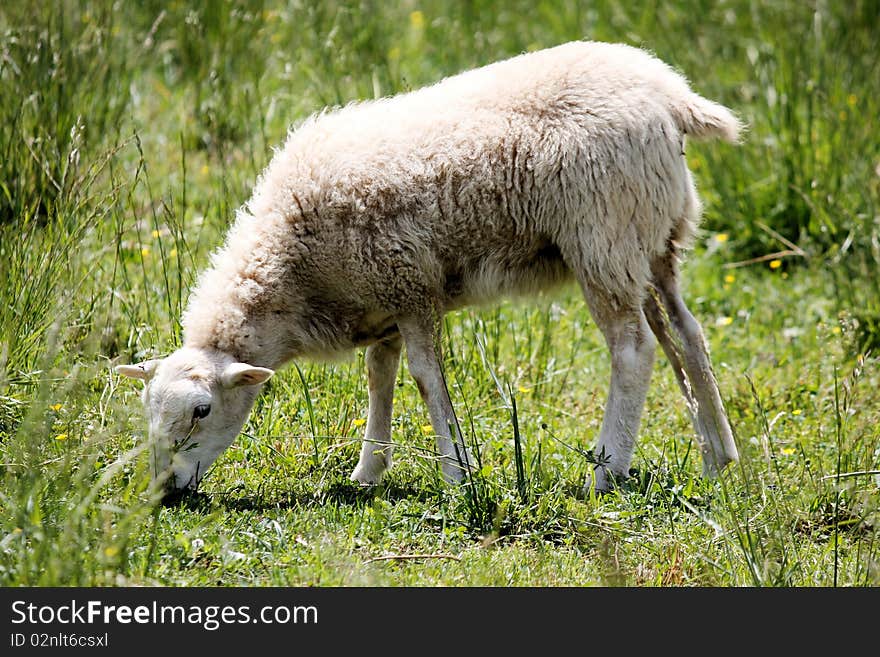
column 424, row 366
column 660, row 327
column 383, row 359
column 693, row 370
column 631, row 344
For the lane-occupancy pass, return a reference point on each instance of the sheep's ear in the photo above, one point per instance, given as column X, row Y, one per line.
column 242, row 374
column 143, row 371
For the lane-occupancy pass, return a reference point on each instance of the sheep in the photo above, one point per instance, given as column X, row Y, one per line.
column 377, row 218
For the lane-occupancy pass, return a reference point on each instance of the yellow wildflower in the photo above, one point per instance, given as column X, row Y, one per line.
column 155, row 234
column 787, row 451
column 61, row 436
column 56, row 407
column 417, row 19
column 796, row 411
column 427, row 429
column 724, row 321
column 359, row 422
column 775, row 264
column 145, row 252
column 524, row 390
column 721, row 238
column 851, row 100
column 730, row 278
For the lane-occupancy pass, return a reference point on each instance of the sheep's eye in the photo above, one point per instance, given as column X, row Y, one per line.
column 201, row 411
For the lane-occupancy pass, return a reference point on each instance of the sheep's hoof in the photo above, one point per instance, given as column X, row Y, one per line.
column 597, row 483
column 713, row 466
column 602, row 481
column 456, row 471
column 369, row 474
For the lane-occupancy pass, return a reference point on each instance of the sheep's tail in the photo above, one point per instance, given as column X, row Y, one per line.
column 703, row 119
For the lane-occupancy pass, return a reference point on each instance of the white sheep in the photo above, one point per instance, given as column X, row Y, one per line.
column 377, row 218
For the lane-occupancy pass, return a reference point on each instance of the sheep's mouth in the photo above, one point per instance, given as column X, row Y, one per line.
column 187, row 496
column 174, row 495
column 183, row 497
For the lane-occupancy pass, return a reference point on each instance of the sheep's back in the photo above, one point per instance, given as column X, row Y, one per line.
column 567, row 150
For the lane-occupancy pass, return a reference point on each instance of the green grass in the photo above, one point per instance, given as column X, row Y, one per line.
column 127, row 141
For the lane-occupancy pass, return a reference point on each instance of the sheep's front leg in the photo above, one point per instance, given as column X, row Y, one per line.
column 383, row 359
column 424, row 366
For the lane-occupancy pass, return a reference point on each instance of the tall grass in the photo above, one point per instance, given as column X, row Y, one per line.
column 61, row 72
column 129, row 133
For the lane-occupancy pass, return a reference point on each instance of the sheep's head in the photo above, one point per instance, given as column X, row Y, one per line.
column 196, row 402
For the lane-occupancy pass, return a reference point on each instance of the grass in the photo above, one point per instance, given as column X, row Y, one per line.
column 128, row 140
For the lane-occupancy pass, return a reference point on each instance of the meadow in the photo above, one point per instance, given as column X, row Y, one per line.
column 131, row 132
